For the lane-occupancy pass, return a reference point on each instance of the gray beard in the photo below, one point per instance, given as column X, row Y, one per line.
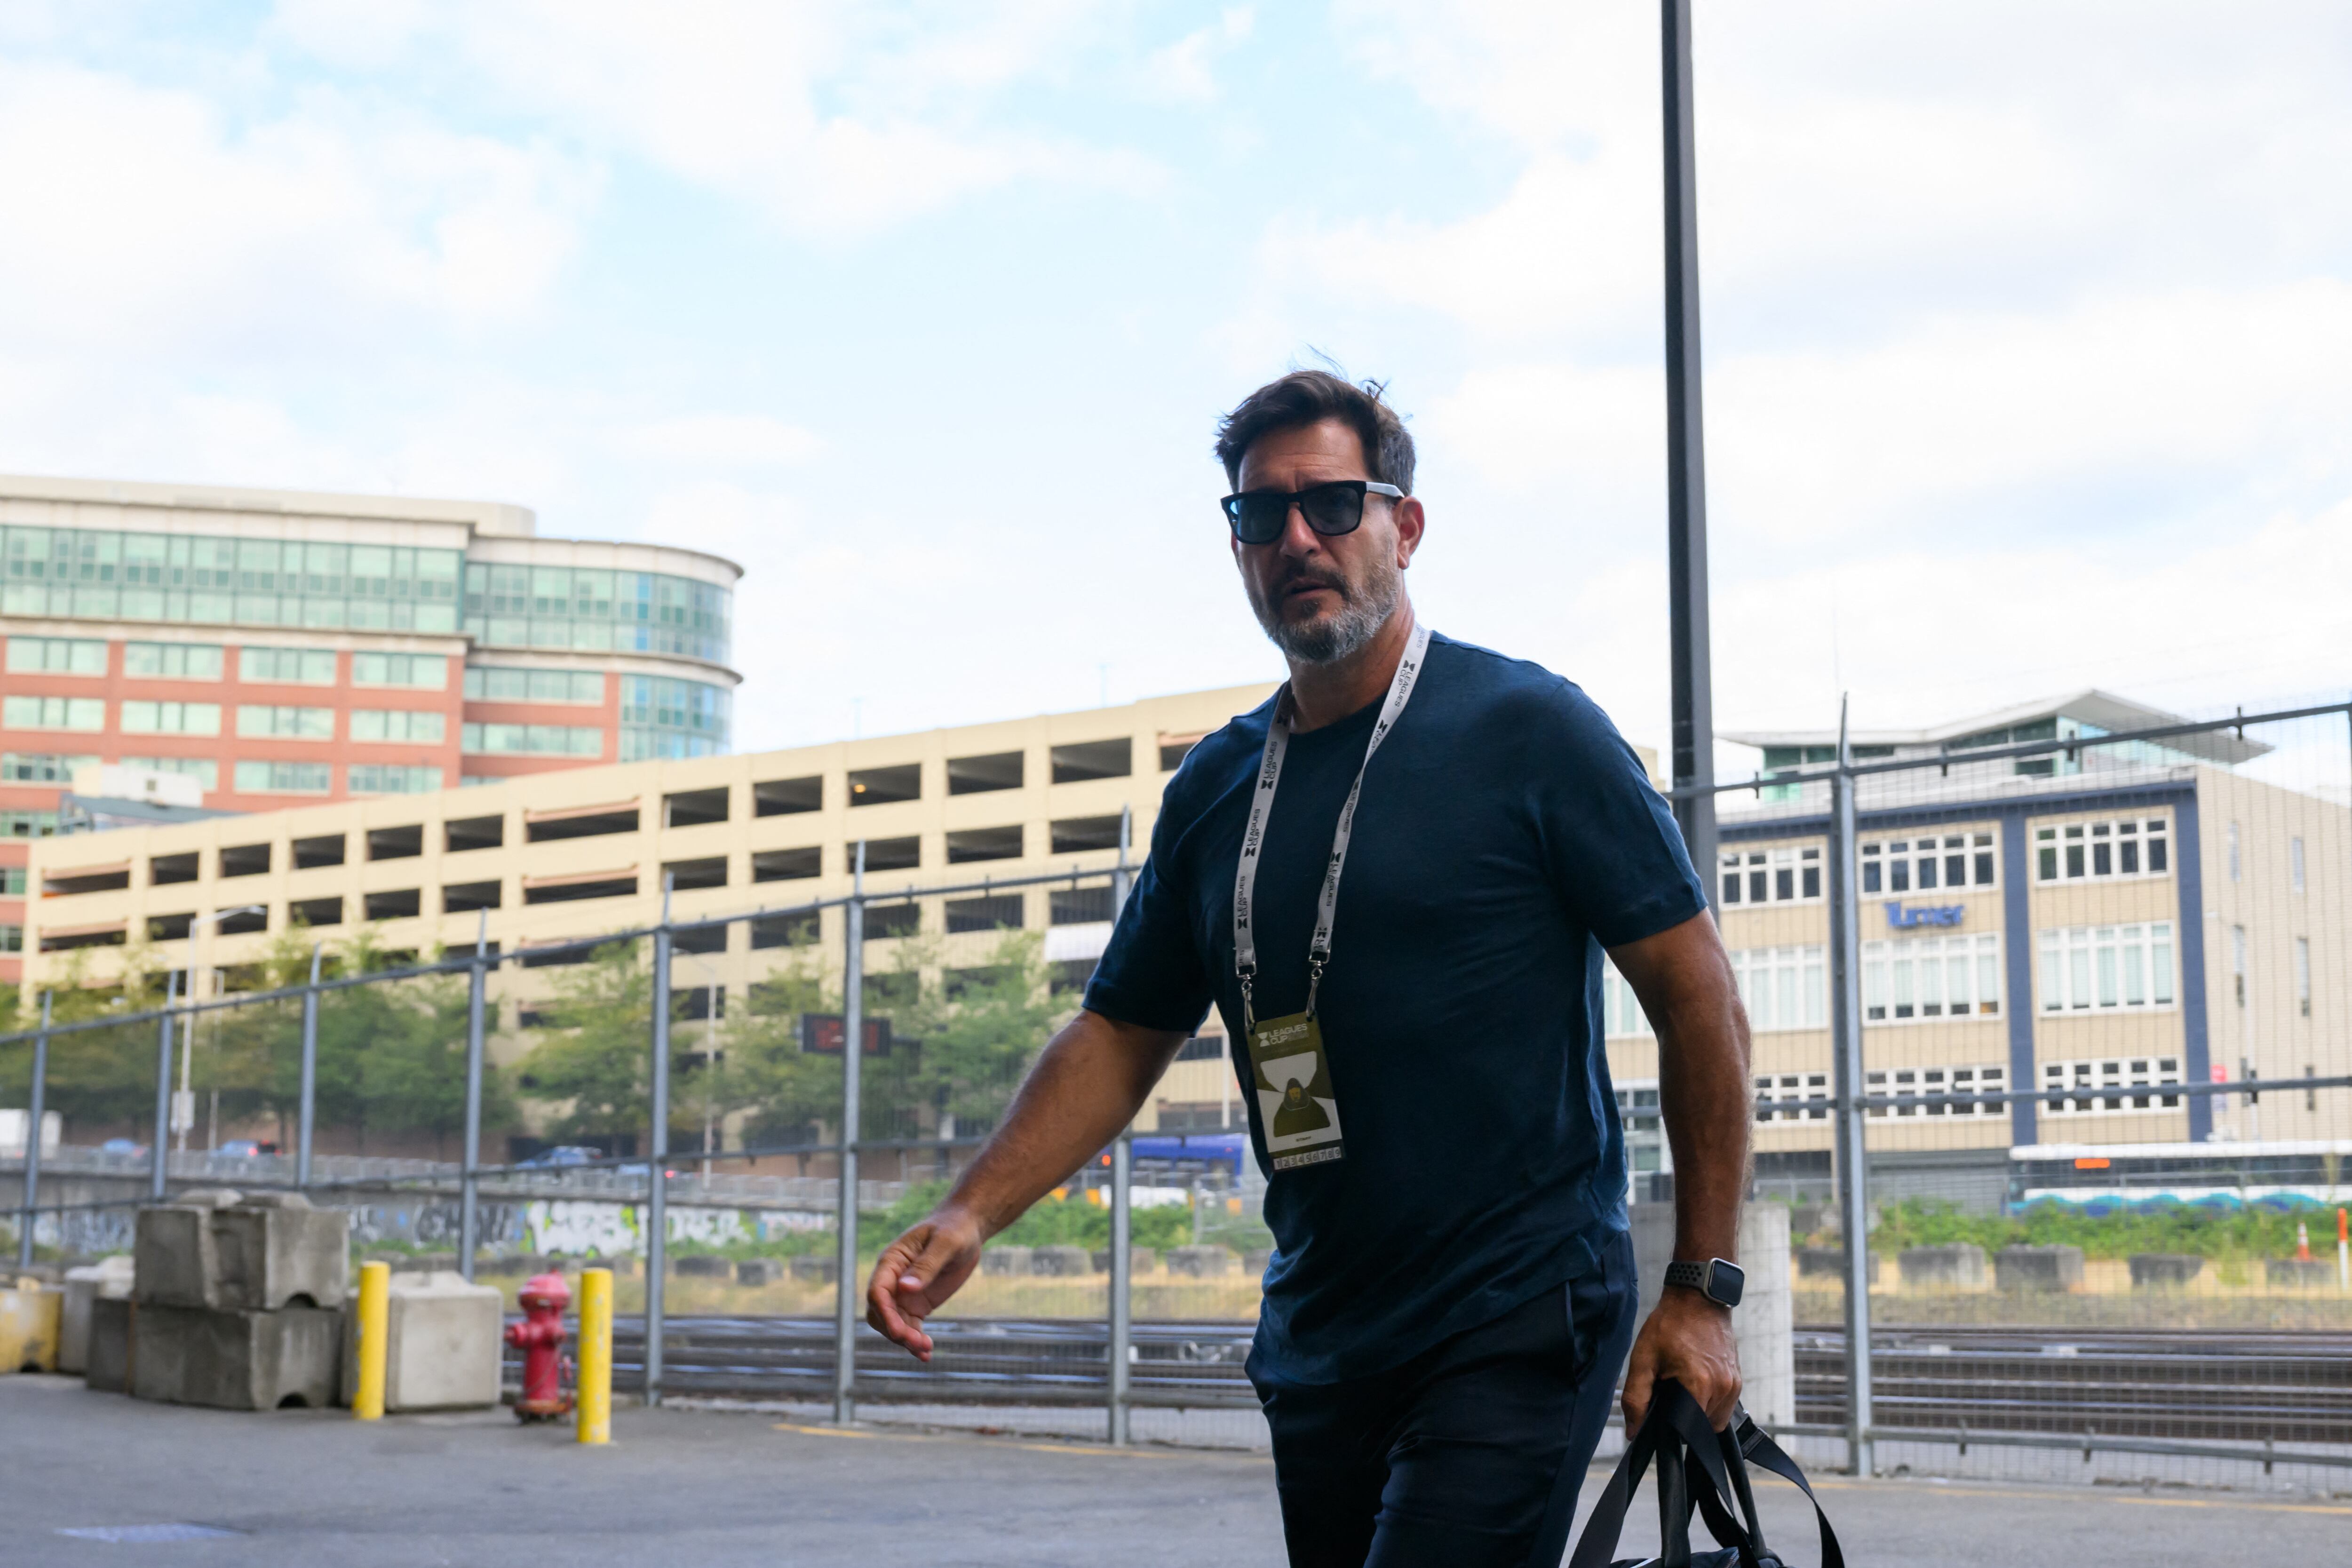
column 1364, row 609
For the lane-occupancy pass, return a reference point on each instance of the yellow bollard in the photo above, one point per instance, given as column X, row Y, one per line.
column 593, row 1412
column 374, row 1329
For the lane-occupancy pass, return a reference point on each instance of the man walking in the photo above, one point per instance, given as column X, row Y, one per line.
column 1394, row 880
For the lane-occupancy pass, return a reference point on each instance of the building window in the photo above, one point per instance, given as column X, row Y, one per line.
column 2295, row 863
column 532, row 739
column 1622, row 1014
column 1784, row 988
column 592, row 609
column 2099, row 851
column 2303, row 975
column 286, row 666
column 1777, row 1094
column 12, row 938
column 1789, row 876
column 204, row 770
column 499, row 683
column 261, row 721
column 143, row 717
column 16, row 823
column 12, row 881
column 2107, row 968
column 56, row 655
column 372, row 778
column 1915, row 1084
column 209, row 580
column 666, row 717
column 171, row 660
column 424, row 671
column 54, row 713
column 1924, row 865
column 41, row 767
column 284, row 778
column 2108, row 1084
column 398, row 724
column 1913, row 979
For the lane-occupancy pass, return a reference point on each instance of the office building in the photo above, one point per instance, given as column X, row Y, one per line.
column 279, row 647
column 2103, row 926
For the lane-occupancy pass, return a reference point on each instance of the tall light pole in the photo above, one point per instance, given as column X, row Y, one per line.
column 1693, row 766
column 183, row 1104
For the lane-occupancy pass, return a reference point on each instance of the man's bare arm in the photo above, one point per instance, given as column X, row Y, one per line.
column 1685, row 981
column 1088, row 1083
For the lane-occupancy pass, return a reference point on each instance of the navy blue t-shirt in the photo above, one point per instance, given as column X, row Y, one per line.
column 1505, row 836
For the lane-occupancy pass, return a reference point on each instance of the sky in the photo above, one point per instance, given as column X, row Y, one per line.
column 2027, row 327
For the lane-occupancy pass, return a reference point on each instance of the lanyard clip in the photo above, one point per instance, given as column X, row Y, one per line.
column 1314, row 962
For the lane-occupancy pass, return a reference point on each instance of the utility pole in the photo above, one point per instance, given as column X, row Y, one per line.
column 1693, row 766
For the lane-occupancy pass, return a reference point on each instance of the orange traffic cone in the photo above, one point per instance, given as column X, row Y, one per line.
column 2302, row 1241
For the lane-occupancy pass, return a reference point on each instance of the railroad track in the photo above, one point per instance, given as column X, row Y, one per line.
column 2183, row 1385
column 2186, row 1385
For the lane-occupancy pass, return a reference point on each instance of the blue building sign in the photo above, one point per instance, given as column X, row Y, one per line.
column 1924, row 915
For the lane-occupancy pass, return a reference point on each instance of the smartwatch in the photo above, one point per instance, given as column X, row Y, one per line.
column 1718, row 1279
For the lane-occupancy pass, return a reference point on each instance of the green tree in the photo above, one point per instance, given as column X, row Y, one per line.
column 596, row 1059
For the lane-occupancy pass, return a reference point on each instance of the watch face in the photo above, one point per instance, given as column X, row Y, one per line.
column 1726, row 1283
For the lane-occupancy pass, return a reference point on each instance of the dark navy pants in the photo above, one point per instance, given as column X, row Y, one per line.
column 1467, row 1456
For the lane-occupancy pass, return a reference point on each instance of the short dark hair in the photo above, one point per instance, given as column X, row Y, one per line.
column 1308, row 397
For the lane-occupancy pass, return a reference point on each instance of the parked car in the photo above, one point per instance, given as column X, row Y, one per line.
column 244, row 1149
column 122, row 1146
column 562, row 1154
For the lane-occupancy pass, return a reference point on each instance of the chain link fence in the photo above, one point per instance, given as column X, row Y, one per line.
column 2063, row 1017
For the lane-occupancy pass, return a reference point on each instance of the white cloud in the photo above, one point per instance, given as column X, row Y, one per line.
column 733, row 440
column 838, row 124
column 139, row 216
column 1185, row 71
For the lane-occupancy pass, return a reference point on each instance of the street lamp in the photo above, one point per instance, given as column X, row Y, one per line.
column 183, row 1104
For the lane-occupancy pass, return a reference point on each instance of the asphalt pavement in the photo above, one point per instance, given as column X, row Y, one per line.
column 687, row 1487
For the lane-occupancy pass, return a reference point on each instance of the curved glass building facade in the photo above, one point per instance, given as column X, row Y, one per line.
column 598, row 611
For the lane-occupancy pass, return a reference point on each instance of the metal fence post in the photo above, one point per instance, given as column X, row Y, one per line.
column 1122, row 1199
column 469, row 1208
column 657, row 1185
column 1122, row 1334
column 164, row 1090
column 33, row 1136
column 853, row 1045
column 1852, row 1154
column 306, row 1114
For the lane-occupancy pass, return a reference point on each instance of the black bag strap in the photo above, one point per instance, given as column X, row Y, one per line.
column 1698, row 1467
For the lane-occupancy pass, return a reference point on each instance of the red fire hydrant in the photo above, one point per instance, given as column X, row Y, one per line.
column 540, row 1336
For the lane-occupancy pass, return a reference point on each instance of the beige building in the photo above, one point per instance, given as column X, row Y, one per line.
column 562, row 856
column 2103, row 928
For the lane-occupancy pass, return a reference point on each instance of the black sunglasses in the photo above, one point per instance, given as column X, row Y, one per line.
column 1258, row 517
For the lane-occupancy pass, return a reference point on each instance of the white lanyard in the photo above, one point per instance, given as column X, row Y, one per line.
column 1269, row 774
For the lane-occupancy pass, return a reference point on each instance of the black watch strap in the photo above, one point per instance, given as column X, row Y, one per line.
column 1719, row 1280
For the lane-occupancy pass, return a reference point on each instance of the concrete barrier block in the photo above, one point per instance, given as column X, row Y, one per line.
column 2164, row 1271
column 1140, row 1260
column 758, row 1272
column 237, row 1360
column 2044, row 1268
column 1763, row 1329
column 1257, row 1261
column 30, row 1317
column 1201, row 1262
column 1061, row 1262
column 106, row 1365
column 821, row 1267
column 1958, row 1267
column 443, row 1341
column 1004, row 1260
column 1829, row 1263
column 83, row 1287
column 701, row 1266
column 2299, row 1273
column 172, row 1247
column 281, row 1252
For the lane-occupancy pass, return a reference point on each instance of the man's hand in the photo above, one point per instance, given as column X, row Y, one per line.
column 917, row 1272
column 1688, row 1339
